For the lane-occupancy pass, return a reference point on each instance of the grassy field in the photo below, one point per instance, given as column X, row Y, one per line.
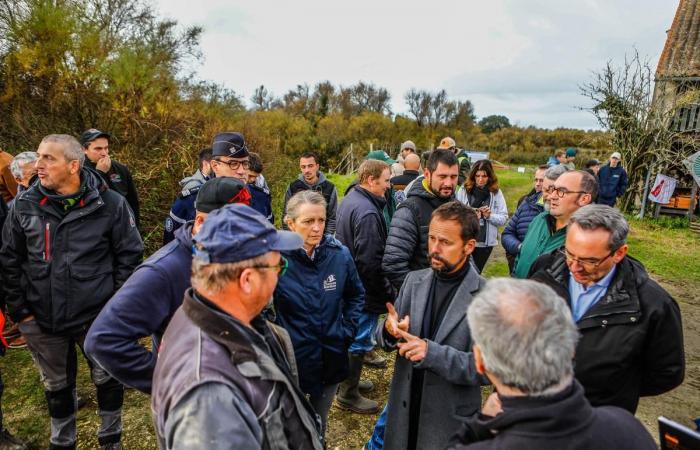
column 670, row 253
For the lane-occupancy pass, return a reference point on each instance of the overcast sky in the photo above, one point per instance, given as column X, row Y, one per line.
column 521, row 58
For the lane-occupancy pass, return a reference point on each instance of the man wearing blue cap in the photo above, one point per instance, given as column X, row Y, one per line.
column 229, row 158
column 149, row 298
column 225, row 377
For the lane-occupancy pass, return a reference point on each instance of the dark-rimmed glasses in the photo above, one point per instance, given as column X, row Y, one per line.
column 234, row 164
column 281, row 266
column 561, row 192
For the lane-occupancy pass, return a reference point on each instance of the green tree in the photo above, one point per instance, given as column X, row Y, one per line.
column 492, row 123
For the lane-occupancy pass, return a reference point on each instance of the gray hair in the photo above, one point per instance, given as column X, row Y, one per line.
column 555, row 172
column 72, row 150
column 589, row 184
column 20, row 161
column 525, row 332
column 213, row 277
column 302, row 198
column 594, row 217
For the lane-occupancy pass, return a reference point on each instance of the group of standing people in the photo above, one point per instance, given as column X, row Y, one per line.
column 256, row 331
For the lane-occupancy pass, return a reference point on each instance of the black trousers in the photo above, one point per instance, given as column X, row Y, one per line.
column 481, row 255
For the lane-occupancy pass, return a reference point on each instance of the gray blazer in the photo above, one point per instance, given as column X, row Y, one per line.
column 451, row 385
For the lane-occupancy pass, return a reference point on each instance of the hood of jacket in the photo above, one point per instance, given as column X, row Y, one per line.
column 194, row 180
column 419, row 189
column 92, row 181
column 321, row 179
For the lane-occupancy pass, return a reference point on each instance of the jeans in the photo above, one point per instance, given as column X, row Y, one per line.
column 376, row 442
column 364, row 337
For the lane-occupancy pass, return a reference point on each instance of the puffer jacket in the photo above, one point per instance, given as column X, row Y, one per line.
column 631, row 341
column 498, row 217
column 319, row 302
column 407, row 244
column 63, row 270
column 514, row 233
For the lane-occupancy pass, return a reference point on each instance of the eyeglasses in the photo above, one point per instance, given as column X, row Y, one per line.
column 281, row 266
column 561, row 192
column 588, row 264
column 234, row 164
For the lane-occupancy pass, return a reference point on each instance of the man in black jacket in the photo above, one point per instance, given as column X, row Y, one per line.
column 631, row 334
column 116, row 174
column 312, row 179
column 363, row 230
column 524, row 340
column 407, row 244
column 68, row 244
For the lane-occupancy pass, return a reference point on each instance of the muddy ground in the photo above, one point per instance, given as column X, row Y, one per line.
column 351, row 431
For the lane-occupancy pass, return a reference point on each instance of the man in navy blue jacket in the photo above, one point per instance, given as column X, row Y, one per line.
column 612, row 181
column 147, row 301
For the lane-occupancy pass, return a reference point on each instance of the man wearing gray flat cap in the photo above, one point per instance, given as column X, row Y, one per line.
column 225, row 377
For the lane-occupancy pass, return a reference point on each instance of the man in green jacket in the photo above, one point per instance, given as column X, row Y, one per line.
column 547, row 231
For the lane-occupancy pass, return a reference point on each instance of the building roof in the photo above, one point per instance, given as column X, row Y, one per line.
column 681, row 55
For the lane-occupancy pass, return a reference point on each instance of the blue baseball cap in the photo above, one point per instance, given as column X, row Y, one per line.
column 237, row 232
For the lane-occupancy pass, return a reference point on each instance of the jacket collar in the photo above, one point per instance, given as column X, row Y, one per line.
column 377, row 202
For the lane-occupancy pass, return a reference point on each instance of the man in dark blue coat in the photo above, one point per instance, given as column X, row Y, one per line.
column 361, row 227
column 260, row 197
column 147, row 301
column 612, row 181
column 529, row 207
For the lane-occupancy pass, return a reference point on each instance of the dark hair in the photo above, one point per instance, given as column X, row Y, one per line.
column 462, row 214
column 310, row 155
column 486, row 166
column 591, row 163
column 205, row 155
column 543, row 167
column 256, row 164
column 589, row 184
column 446, row 157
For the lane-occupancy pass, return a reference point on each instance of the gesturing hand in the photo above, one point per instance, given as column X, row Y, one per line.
column 414, row 349
column 393, row 324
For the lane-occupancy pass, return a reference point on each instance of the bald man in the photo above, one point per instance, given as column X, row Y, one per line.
column 411, row 170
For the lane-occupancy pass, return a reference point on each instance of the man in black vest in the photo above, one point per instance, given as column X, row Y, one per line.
column 225, row 377
column 311, row 178
column 407, row 244
column 116, row 174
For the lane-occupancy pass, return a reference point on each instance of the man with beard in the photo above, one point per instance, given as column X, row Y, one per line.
column 407, row 243
column 435, row 385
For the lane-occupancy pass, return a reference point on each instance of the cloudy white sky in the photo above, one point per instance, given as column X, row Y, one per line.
column 521, row 58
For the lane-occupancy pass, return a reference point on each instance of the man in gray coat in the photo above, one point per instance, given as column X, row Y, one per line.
column 435, row 385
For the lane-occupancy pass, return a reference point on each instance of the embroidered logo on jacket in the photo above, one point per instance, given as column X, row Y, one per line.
column 329, row 283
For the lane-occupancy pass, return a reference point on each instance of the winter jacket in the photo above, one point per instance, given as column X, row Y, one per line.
column 319, row 302
column 63, row 269
column 631, row 341
column 261, row 201
column 564, row 420
column 464, row 166
column 119, row 179
column 407, row 244
column 182, row 210
column 541, row 238
column 322, row 185
column 3, row 216
column 553, row 161
column 221, row 385
column 498, row 217
column 389, row 202
column 8, row 185
column 514, row 233
column 142, row 307
column 362, row 229
column 612, row 183
column 400, row 182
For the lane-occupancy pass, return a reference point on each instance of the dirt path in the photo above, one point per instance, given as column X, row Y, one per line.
column 351, row 431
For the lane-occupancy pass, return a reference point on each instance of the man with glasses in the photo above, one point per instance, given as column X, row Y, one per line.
column 229, row 157
column 631, row 341
column 147, row 301
column 225, row 377
column 547, row 231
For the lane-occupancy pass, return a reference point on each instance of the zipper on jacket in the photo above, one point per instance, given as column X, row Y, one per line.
column 47, row 242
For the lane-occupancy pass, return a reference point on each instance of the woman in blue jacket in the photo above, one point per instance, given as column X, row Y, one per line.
column 318, row 301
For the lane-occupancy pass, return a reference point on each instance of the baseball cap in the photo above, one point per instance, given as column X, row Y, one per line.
column 616, row 155
column 219, row 192
column 91, row 134
column 229, row 144
column 238, row 232
column 571, row 151
column 408, row 144
column 447, row 143
column 380, row 155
